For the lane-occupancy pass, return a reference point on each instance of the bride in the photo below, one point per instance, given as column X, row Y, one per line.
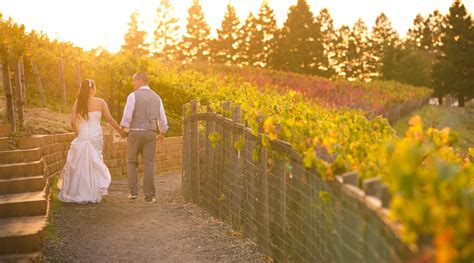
column 85, row 178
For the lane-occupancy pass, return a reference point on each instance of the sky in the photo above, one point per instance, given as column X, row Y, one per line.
column 103, row 23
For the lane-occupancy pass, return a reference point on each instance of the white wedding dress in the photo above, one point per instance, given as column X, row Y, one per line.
column 85, row 178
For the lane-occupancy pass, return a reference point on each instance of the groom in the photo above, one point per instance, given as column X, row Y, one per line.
column 144, row 116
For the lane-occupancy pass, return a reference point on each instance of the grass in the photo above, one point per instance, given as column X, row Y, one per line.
column 51, row 232
column 461, row 120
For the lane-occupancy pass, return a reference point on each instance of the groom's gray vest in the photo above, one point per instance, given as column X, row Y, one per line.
column 146, row 111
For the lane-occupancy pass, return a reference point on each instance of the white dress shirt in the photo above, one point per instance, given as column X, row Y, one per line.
column 130, row 107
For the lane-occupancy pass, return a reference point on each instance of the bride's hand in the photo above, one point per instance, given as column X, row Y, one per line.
column 123, row 133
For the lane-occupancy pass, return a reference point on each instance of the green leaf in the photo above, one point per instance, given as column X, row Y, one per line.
column 324, row 196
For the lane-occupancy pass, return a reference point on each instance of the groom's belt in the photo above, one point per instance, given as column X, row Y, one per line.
column 140, row 129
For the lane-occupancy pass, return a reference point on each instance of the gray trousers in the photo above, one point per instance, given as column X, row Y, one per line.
column 141, row 143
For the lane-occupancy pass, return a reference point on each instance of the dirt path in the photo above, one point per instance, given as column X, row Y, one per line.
column 121, row 230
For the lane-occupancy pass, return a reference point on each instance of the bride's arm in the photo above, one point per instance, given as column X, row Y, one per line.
column 74, row 118
column 111, row 120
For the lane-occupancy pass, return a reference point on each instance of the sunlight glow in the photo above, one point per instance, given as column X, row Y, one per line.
column 92, row 23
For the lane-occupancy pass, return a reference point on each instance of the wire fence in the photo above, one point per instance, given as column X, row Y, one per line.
column 267, row 194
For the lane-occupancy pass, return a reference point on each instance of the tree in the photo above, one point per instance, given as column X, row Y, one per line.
column 196, row 42
column 433, row 31
column 224, row 48
column 453, row 71
column 262, row 42
column 415, row 62
column 245, row 55
column 413, row 66
column 300, row 47
column 135, row 38
column 341, row 47
column 358, row 65
column 328, row 38
column 166, row 33
column 415, row 33
column 384, row 41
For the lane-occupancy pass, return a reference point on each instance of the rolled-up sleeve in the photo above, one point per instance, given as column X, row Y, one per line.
column 128, row 111
column 162, row 121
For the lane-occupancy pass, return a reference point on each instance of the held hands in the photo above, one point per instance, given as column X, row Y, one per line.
column 160, row 138
column 123, row 133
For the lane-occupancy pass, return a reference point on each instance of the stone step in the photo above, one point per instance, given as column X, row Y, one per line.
column 30, row 142
column 21, row 237
column 12, row 143
column 23, row 204
column 23, row 258
column 6, row 144
column 25, row 169
column 4, row 129
column 22, row 184
column 19, row 156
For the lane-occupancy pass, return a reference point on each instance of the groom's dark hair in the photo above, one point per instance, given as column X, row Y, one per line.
column 141, row 76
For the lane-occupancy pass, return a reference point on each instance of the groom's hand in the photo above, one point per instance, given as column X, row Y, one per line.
column 160, row 138
column 123, row 133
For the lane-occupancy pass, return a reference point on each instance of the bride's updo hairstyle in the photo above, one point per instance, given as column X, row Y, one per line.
column 83, row 97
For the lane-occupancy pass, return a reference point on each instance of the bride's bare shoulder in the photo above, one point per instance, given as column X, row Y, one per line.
column 99, row 100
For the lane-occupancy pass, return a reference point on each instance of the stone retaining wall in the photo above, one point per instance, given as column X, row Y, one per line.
column 54, row 149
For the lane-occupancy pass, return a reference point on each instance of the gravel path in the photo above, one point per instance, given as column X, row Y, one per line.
column 121, row 230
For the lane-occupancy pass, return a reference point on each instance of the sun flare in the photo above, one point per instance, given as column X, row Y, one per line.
column 91, row 24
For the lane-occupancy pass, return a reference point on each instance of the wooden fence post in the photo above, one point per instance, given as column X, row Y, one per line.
column 119, row 99
column 19, row 93
column 237, row 172
column 207, row 174
column 78, row 74
column 213, row 165
column 227, row 162
column 2, row 80
column 61, row 81
column 113, row 98
column 194, row 155
column 23, row 79
column 39, row 84
column 9, row 95
column 226, row 108
column 186, row 163
column 248, row 215
column 261, row 204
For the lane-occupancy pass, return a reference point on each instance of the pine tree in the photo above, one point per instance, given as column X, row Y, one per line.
column 453, row 71
column 384, row 44
column 246, row 34
column 415, row 33
column 390, row 61
column 413, row 66
column 300, row 48
column 341, row 47
column 196, row 43
column 433, row 32
column 167, row 31
column 224, row 48
column 262, row 42
column 135, row 38
column 358, row 53
column 328, row 36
